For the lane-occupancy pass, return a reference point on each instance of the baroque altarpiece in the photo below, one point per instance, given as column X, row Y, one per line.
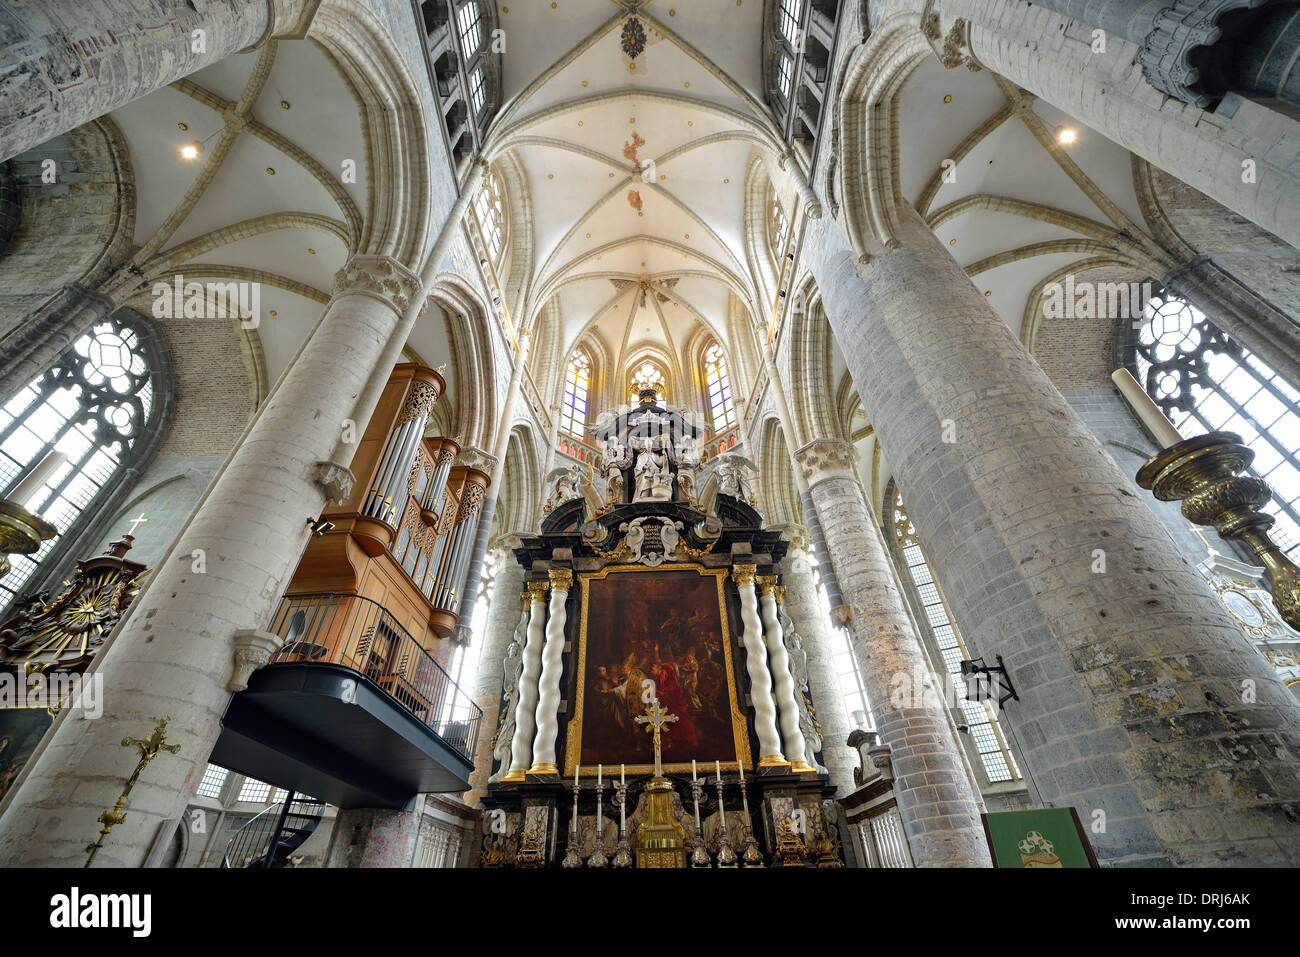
column 655, row 707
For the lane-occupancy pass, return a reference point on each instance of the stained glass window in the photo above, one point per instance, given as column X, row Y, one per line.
column 577, row 378
column 718, row 385
column 1206, row 381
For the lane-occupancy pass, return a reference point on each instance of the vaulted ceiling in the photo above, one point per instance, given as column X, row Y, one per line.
column 635, row 167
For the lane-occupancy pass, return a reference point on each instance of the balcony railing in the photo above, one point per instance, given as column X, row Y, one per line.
column 359, row 633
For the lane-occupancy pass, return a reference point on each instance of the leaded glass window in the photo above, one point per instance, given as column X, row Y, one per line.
column 718, row 385
column 784, row 74
column 778, row 227
column 92, row 407
column 577, row 380
column 1206, row 381
column 476, row 89
column 979, row 717
column 214, row 778
column 648, row 376
column 790, row 15
column 845, row 661
column 469, row 25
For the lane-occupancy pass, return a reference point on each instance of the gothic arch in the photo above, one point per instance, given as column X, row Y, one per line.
column 778, row 493
column 521, row 484
column 474, row 372
column 811, row 367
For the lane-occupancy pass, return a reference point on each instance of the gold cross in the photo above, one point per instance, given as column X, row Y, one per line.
column 655, row 717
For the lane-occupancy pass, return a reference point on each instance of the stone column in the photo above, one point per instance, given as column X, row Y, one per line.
column 782, row 680
column 374, row 837
column 935, row 797
column 521, row 746
column 491, row 690
column 74, row 62
column 173, row 656
column 802, row 605
column 548, row 686
column 760, row 678
column 1140, row 697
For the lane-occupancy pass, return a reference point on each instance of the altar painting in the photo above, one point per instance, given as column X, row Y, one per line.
column 669, row 627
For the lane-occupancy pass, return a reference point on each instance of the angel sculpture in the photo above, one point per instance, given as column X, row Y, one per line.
column 511, row 668
column 565, row 483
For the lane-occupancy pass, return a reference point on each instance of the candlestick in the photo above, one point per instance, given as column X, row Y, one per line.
column 29, row 487
column 598, row 858
column 1145, row 408
column 751, row 856
column 726, row 856
column 699, row 856
column 572, row 856
column 623, row 857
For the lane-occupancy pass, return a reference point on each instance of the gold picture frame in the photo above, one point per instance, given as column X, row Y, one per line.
column 739, row 723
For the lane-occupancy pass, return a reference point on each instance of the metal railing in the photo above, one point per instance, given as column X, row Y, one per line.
column 360, row 634
column 270, row 836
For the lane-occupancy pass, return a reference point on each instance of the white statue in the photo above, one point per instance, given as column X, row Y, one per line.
column 566, row 485
column 654, row 482
column 511, row 668
column 688, row 461
column 732, row 478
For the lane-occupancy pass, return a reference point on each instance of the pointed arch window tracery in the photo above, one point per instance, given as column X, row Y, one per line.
column 577, row 386
column 648, row 375
column 489, row 210
column 717, row 385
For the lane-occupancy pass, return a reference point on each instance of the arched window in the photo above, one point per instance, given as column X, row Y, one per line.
column 489, row 210
column 577, row 381
column 476, row 90
column 718, row 385
column 469, row 27
column 785, row 72
column 979, row 717
column 92, row 407
column 648, row 376
column 845, row 661
column 1207, row 382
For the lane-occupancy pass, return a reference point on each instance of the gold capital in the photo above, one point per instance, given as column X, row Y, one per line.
column 562, row 579
column 767, row 586
column 744, row 574
column 537, row 591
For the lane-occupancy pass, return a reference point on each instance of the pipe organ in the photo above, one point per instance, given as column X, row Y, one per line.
column 405, row 534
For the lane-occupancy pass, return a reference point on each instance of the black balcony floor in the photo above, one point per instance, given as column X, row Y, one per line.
column 327, row 731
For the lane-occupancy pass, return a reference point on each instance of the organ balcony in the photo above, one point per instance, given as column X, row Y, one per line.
column 355, row 707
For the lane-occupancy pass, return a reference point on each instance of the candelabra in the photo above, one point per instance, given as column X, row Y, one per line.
column 699, row 856
column 572, row 856
column 623, row 857
column 751, row 856
column 1205, row 473
column 598, row 858
column 726, row 856
column 21, row 532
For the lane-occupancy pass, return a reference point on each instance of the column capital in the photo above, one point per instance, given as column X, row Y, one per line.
column 767, row 586
column 823, row 459
column 562, row 579
column 537, row 591
column 744, row 574
column 380, row 276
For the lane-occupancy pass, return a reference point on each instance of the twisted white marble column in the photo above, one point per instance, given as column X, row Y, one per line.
column 548, row 688
column 760, row 679
column 521, row 745
column 783, row 680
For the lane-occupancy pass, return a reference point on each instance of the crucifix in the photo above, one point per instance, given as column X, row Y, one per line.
column 137, row 521
column 655, row 717
column 149, row 749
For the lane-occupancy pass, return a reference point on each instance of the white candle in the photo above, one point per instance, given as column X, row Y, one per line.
column 622, row 774
column 741, row 768
column 692, row 769
column 1147, row 411
column 29, row 487
column 598, row 769
column 575, row 776
column 717, row 767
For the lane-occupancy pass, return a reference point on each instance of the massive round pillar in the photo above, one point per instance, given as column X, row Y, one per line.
column 1142, row 702
column 935, row 797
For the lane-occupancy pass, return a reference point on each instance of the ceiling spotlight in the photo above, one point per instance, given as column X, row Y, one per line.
column 190, row 151
column 1065, row 135
column 319, row 526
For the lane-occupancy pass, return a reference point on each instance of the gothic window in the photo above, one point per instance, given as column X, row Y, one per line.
column 790, row 15
column 577, row 380
column 92, row 408
column 785, row 72
column 718, row 385
column 979, row 717
column 648, row 376
column 1207, row 382
column 476, row 89
column 469, row 25
column 489, row 209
